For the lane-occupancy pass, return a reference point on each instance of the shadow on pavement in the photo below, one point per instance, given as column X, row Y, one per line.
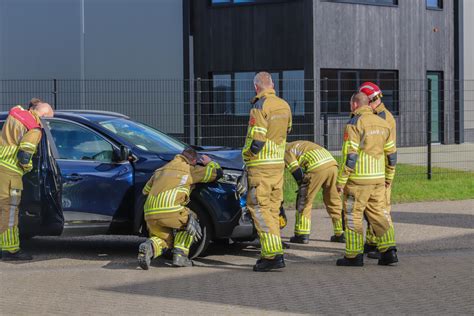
column 435, row 219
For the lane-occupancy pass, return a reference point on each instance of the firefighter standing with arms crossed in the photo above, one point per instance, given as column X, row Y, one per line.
column 313, row 168
column 373, row 92
column 263, row 155
column 19, row 140
column 369, row 159
column 165, row 209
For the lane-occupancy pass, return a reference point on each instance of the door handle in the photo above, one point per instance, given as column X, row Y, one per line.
column 73, row 177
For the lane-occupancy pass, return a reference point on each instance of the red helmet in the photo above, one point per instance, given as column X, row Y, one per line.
column 371, row 90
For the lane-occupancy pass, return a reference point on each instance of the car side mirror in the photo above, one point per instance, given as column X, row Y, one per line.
column 121, row 154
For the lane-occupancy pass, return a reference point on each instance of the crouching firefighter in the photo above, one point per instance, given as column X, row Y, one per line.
column 19, row 139
column 369, row 160
column 313, row 168
column 170, row 223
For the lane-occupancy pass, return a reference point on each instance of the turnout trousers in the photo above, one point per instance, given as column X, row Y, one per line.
column 161, row 228
column 264, row 197
column 368, row 199
column 316, row 180
column 10, row 196
column 370, row 238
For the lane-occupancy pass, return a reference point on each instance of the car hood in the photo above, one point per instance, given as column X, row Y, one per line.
column 226, row 157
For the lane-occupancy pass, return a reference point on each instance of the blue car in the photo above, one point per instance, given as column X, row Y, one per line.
column 91, row 167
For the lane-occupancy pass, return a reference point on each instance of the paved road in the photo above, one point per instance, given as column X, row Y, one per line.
column 98, row 275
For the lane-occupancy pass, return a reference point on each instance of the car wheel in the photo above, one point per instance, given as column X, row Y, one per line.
column 198, row 249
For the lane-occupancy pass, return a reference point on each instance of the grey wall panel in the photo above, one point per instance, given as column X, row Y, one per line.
column 469, row 69
column 39, row 39
column 400, row 38
column 122, row 39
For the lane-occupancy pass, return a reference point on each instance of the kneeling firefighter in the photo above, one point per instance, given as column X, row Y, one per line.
column 170, row 223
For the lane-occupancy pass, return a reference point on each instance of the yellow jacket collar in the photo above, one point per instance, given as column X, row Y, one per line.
column 262, row 94
column 363, row 110
column 380, row 108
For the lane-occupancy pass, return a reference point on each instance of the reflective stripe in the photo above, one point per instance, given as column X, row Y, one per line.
column 27, row 145
column 387, row 240
column 271, row 245
column 14, row 201
column 292, row 165
column 337, row 227
column 349, row 211
column 354, row 243
column 389, row 145
column 314, row 159
column 302, row 224
column 9, row 160
column 164, row 202
column 10, row 240
column 183, row 240
column 257, row 211
column 271, row 153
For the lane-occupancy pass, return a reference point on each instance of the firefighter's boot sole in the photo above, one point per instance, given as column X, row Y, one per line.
column 358, row 261
column 145, row 254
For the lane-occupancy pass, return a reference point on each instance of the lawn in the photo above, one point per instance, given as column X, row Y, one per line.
column 412, row 185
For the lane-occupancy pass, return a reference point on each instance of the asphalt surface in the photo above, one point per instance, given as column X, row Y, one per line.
column 99, row 275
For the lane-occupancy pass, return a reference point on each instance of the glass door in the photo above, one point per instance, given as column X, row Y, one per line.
column 436, row 110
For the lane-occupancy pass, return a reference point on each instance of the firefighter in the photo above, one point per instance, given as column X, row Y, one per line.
column 373, row 92
column 369, row 159
column 313, row 168
column 20, row 137
column 263, row 154
column 170, row 223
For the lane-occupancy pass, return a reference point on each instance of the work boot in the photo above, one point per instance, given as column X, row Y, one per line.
column 300, row 239
column 338, row 238
column 145, row 254
column 20, row 255
column 388, row 257
column 358, row 261
column 180, row 260
column 373, row 254
column 265, row 265
column 369, row 248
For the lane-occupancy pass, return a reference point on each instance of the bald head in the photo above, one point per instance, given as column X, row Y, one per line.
column 43, row 109
column 263, row 81
column 358, row 100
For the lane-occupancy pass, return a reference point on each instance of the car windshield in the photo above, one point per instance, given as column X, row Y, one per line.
column 143, row 137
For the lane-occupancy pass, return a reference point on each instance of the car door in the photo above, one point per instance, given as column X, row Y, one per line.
column 94, row 183
column 40, row 207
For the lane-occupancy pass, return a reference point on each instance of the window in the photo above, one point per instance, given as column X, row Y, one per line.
column 342, row 83
column 434, row 4
column 75, row 142
column 232, row 93
column 373, row 2
column 221, row 2
column 143, row 137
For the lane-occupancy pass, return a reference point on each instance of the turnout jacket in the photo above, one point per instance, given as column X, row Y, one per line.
column 384, row 113
column 369, row 150
column 19, row 139
column 270, row 122
column 170, row 186
column 308, row 156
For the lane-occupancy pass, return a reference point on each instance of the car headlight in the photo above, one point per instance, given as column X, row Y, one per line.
column 230, row 176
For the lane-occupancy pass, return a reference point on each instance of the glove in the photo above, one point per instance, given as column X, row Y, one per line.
column 242, row 183
column 193, row 228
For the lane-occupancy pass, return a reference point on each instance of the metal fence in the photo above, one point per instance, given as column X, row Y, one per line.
column 435, row 117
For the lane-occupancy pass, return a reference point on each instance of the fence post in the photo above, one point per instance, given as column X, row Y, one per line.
column 198, row 111
column 55, row 93
column 325, row 114
column 428, row 130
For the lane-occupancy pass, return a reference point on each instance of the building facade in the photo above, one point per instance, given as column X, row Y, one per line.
column 329, row 47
